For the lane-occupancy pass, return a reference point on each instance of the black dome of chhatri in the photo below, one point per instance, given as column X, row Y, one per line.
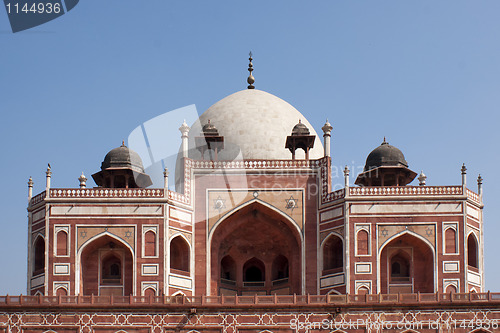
column 123, row 158
column 300, row 129
column 385, row 155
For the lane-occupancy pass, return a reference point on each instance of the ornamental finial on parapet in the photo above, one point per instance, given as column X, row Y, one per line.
column 422, row 178
column 83, row 181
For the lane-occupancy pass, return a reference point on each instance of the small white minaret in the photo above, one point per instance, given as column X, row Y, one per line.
column 346, row 177
column 480, row 186
column 184, row 136
column 327, row 130
column 165, row 178
column 30, row 188
column 464, row 175
column 49, row 175
column 422, row 178
column 83, row 181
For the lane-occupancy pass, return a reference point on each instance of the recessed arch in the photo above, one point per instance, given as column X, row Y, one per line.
column 263, row 233
column 280, row 269
column 422, row 255
column 38, row 255
column 179, row 254
column 96, row 247
column 362, row 242
column 332, row 254
column 228, row 269
column 150, row 246
column 254, row 271
column 450, row 239
column 472, row 251
column 61, row 291
column 62, row 243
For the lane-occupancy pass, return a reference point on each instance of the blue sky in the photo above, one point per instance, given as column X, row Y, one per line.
column 425, row 74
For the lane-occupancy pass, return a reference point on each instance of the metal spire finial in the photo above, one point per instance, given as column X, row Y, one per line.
column 251, row 79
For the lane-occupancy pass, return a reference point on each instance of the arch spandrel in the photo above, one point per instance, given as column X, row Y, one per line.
column 125, row 234
column 426, row 231
column 324, row 234
column 223, row 203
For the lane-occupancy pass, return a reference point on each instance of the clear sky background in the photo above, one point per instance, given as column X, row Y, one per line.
column 425, row 74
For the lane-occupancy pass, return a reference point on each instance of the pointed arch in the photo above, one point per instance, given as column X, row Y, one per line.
column 62, row 243
column 102, row 234
column 178, row 293
column 450, row 240
column 362, row 242
column 254, row 271
column 38, row 255
column 280, row 269
column 228, row 269
column 149, row 292
column 282, row 236
column 332, row 254
column 334, row 292
column 429, row 261
column 409, row 233
column 180, row 254
column 61, row 291
column 472, row 251
column 150, row 246
column 93, row 240
column 248, row 203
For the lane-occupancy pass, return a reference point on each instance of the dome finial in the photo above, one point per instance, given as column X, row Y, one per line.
column 385, row 142
column 251, row 79
column 123, row 143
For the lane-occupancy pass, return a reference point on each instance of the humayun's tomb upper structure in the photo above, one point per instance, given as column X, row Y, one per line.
column 253, row 238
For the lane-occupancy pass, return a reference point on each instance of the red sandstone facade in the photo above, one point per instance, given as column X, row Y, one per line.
column 298, row 237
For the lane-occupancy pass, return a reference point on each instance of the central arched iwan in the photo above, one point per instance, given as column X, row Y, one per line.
column 256, row 250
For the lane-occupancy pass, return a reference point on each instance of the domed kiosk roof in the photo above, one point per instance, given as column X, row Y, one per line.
column 385, row 166
column 385, row 155
column 255, row 125
column 122, row 157
column 122, row 168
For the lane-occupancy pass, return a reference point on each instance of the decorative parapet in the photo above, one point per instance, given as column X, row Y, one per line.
column 332, row 196
column 178, row 197
column 37, row 198
column 107, row 193
column 278, row 301
column 255, row 164
column 406, row 191
column 473, row 196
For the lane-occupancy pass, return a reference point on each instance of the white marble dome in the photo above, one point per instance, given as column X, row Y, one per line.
column 255, row 125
